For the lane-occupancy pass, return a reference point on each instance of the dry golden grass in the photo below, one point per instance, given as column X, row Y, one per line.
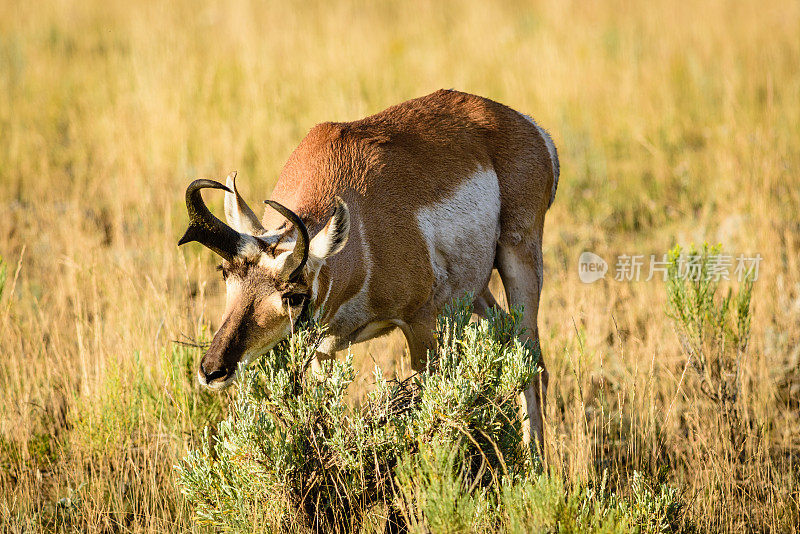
column 675, row 123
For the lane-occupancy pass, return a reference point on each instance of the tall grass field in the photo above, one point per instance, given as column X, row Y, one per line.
column 677, row 124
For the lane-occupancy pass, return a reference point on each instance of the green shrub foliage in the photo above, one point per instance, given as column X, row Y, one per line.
column 439, row 452
column 714, row 330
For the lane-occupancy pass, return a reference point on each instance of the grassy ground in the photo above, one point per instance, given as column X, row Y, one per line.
column 675, row 123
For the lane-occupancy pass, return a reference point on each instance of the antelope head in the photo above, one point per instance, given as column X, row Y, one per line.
column 268, row 274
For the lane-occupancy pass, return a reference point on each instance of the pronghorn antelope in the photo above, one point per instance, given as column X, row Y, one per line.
column 378, row 223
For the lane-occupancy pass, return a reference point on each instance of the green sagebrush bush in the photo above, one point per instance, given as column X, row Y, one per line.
column 714, row 330
column 441, row 451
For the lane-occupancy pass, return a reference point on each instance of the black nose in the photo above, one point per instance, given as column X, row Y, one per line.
column 213, row 375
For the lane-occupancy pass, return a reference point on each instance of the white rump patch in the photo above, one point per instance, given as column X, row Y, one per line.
column 461, row 233
column 551, row 149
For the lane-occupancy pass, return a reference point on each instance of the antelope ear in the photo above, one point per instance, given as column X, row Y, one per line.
column 333, row 237
column 238, row 214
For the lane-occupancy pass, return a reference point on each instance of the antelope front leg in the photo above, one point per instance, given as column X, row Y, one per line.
column 420, row 337
column 325, row 352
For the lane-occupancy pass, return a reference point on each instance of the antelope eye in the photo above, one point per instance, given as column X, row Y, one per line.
column 294, row 299
column 223, row 270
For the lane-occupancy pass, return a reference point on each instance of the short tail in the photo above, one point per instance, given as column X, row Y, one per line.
column 551, row 149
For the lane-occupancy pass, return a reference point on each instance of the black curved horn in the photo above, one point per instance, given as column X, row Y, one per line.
column 204, row 227
column 300, row 253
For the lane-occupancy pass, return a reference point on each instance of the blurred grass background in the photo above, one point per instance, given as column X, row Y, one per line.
column 675, row 122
